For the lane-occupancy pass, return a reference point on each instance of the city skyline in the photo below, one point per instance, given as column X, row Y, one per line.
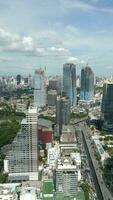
column 50, row 33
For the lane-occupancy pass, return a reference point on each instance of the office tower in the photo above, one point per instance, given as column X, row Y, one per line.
column 69, row 82
column 107, row 106
column 18, row 79
column 66, row 179
column 51, row 97
column 62, row 112
column 55, row 83
column 39, row 88
column 87, row 84
column 22, row 161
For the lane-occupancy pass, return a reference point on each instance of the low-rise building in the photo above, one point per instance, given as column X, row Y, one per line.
column 28, row 193
column 103, row 155
column 8, row 191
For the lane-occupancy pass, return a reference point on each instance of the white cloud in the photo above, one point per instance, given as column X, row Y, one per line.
column 110, row 67
column 77, row 4
column 72, row 59
column 6, row 59
column 84, row 7
column 58, row 51
column 83, row 62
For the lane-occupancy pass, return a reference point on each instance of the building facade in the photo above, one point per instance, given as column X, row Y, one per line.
column 39, row 88
column 69, row 82
column 87, row 84
column 51, row 97
column 62, row 112
column 66, row 179
column 55, row 83
column 21, row 163
column 107, row 106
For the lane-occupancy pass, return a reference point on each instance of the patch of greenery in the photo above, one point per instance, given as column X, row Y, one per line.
column 1, row 162
column 108, row 172
column 8, row 131
column 85, row 187
column 3, row 178
column 78, row 115
column 52, row 119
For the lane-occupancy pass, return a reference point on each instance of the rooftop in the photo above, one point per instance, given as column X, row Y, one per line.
column 48, row 187
column 80, row 196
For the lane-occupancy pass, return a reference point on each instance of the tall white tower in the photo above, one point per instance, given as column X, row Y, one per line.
column 21, row 163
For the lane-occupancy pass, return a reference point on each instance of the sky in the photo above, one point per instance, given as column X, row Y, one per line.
column 49, row 33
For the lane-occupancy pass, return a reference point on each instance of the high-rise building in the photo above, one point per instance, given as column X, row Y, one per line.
column 21, row 163
column 18, row 79
column 66, row 179
column 87, row 84
column 55, row 83
column 39, row 88
column 62, row 112
column 107, row 106
column 51, row 97
column 69, row 82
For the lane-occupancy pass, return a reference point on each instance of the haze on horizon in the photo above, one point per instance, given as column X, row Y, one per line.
column 49, row 33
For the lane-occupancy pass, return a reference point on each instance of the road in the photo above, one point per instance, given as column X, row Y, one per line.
column 105, row 192
column 86, row 171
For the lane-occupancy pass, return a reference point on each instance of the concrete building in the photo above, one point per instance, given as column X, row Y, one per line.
column 39, row 88
column 107, row 106
column 55, row 83
column 67, row 141
column 21, row 163
column 87, row 84
column 8, row 191
column 76, row 157
column 45, row 135
column 62, row 112
column 51, row 97
column 66, row 179
column 28, row 193
column 53, row 155
column 102, row 154
column 69, row 82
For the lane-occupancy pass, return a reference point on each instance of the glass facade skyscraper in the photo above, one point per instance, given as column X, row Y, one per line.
column 107, row 106
column 87, row 84
column 62, row 112
column 39, row 88
column 69, row 82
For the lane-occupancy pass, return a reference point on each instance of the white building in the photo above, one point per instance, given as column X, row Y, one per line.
column 53, row 155
column 103, row 155
column 22, row 161
column 28, row 193
column 66, row 178
column 76, row 157
column 8, row 191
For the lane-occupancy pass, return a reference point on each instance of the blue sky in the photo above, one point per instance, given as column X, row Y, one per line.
column 39, row 33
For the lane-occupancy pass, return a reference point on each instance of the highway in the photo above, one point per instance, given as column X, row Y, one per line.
column 105, row 193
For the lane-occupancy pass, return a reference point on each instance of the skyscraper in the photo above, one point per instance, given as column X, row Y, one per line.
column 62, row 112
column 69, row 82
column 18, row 79
column 51, row 97
column 55, row 83
column 39, row 88
column 107, row 106
column 87, row 84
column 21, row 163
